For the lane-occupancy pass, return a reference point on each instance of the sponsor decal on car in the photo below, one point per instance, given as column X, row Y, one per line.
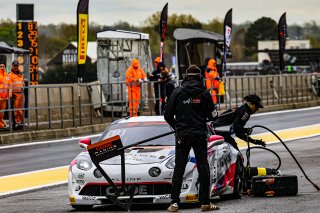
column 164, row 197
column 80, row 182
column 77, row 188
column 80, row 176
column 139, row 190
column 88, row 198
column 184, row 186
column 191, row 197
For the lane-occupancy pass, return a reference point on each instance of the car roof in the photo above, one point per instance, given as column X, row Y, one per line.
column 143, row 119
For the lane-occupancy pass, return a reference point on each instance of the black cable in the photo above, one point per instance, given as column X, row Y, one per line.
column 305, row 175
column 261, row 147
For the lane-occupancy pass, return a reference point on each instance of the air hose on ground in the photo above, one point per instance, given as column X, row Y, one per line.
column 248, row 154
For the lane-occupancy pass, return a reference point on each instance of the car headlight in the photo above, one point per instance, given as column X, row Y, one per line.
column 154, row 172
column 84, row 163
column 171, row 163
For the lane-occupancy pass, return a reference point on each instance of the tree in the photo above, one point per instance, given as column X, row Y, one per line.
column 262, row 29
column 314, row 41
column 8, row 32
column 152, row 26
column 215, row 25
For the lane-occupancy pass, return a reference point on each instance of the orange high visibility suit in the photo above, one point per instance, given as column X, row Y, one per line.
column 5, row 93
column 17, row 89
column 134, row 76
column 212, row 79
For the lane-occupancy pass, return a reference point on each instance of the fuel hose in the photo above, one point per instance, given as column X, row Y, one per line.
column 294, row 158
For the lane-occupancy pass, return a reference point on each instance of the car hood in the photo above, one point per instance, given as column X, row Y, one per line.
column 143, row 155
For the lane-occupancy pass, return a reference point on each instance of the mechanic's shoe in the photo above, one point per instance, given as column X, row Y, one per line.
column 173, row 207
column 210, row 207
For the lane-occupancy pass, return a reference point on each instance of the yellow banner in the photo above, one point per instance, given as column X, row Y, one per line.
column 82, row 38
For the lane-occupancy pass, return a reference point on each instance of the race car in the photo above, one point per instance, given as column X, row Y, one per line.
column 150, row 166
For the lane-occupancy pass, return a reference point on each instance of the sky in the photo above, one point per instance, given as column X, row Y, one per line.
column 108, row 12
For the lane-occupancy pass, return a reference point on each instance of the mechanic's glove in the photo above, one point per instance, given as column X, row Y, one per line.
column 145, row 79
column 248, row 131
column 140, row 80
column 259, row 142
column 216, row 78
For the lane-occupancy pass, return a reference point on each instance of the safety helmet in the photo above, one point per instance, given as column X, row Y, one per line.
column 157, row 59
column 135, row 63
column 212, row 62
column 255, row 99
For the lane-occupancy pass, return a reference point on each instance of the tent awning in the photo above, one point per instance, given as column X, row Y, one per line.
column 6, row 48
column 185, row 34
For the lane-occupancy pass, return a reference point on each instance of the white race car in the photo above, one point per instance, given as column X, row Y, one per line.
column 150, row 167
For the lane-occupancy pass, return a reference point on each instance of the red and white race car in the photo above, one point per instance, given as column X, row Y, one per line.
column 150, row 167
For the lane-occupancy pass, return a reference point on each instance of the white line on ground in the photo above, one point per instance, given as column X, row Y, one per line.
column 47, row 142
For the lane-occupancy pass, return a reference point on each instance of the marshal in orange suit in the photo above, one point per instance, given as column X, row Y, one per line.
column 212, row 79
column 17, row 80
column 134, row 77
column 5, row 93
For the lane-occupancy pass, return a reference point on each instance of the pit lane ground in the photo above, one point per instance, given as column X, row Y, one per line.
column 307, row 151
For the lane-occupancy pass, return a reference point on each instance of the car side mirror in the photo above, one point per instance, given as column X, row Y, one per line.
column 84, row 142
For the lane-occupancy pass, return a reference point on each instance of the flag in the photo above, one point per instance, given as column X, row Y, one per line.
column 227, row 28
column 163, row 29
column 282, row 36
column 82, row 29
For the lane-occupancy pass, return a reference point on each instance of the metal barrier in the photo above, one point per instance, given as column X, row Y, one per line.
column 72, row 105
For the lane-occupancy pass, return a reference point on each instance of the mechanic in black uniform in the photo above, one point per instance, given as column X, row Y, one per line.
column 241, row 116
column 187, row 112
column 168, row 86
column 158, row 86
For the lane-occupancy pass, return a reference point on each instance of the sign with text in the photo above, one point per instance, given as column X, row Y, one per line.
column 105, row 149
column 27, row 38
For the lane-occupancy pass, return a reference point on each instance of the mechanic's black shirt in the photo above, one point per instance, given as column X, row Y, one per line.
column 188, row 109
column 169, row 86
column 242, row 115
column 155, row 76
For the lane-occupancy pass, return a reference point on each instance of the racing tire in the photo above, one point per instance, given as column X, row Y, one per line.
column 269, row 185
column 238, row 182
column 82, row 207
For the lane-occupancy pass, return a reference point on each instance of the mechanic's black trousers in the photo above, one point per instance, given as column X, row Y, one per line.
column 199, row 145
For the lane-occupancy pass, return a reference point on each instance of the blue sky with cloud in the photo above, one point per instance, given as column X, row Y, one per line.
column 107, row 12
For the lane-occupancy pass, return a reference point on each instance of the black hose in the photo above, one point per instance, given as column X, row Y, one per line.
column 305, row 175
column 261, row 147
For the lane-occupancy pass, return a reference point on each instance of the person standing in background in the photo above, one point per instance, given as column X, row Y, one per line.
column 134, row 77
column 212, row 79
column 17, row 80
column 155, row 77
column 5, row 93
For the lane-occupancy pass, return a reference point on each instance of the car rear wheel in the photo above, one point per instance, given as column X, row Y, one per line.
column 82, row 207
column 238, row 182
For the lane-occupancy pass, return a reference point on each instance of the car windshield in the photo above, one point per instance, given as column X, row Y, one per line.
column 137, row 131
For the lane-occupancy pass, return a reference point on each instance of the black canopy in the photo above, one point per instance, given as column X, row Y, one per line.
column 6, row 48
